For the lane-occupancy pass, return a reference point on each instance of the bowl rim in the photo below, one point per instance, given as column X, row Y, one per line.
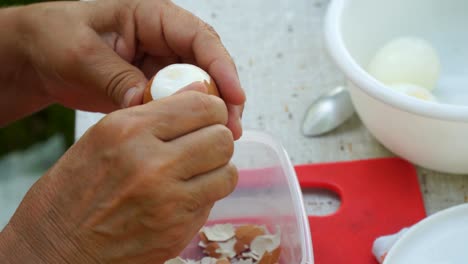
column 431, row 221
column 363, row 80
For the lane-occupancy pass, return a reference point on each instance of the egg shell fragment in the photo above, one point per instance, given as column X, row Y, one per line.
column 211, row 250
column 270, row 257
column 247, row 233
column 265, row 243
column 219, row 233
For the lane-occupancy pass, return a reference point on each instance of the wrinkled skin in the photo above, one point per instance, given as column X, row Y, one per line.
column 135, row 188
column 99, row 55
column 140, row 183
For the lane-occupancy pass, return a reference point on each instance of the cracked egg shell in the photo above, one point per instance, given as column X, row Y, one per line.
column 240, row 247
column 266, row 243
column 174, row 77
column 244, row 261
column 211, row 250
column 226, row 249
column 208, row 260
column 223, row 261
column 247, row 233
column 203, row 238
column 271, row 257
column 219, row 233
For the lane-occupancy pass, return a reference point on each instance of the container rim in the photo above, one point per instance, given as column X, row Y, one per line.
column 294, row 187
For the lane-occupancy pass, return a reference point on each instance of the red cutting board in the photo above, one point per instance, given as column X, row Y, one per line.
column 378, row 197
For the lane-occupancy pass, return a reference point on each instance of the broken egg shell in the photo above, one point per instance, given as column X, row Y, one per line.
column 243, row 261
column 219, row 233
column 211, row 250
column 266, row 259
column 276, row 255
column 270, row 257
column 203, row 238
column 226, row 249
column 147, row 97
column 247, row 233
column 240, row 247
column 202, row 244
column 265, row 243
column 210, row 84
column 208, row 260
column 223, row 261
column 250, row 255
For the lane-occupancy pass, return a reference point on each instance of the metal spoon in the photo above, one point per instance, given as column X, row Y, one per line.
column 328, row 112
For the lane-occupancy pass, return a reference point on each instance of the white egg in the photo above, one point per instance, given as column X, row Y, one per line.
column 176, row 76
column 414, row 91
column 406, row 60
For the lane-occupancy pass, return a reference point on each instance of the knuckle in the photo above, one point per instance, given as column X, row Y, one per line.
column 210, row 29
column 212, row 107
column 81, row 50
column 232, row 178
column 194, row 202
column 117, row 127
column 203, row 102
column 224, row 141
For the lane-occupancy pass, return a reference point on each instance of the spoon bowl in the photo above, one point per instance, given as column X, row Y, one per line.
column 328, row 112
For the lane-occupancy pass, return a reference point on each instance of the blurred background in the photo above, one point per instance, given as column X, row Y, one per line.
column 28, row 147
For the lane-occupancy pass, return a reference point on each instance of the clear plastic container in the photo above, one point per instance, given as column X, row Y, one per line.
column 268, row 193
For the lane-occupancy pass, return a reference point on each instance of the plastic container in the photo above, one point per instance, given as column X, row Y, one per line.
column 268, row 193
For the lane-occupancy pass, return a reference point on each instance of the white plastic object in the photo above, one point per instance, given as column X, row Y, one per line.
column 430, row 135
column 383, row 244
column 406, row 60
column 439, row 239
column 268, row 193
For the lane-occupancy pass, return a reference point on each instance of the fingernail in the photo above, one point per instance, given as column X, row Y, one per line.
column 239, row 112
column 240, row 126
column 129, row 96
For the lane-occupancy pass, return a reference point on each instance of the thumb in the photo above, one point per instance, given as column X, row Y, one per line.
column 118, row 79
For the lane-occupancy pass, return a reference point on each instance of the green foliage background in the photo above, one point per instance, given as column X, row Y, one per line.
column 39, row 126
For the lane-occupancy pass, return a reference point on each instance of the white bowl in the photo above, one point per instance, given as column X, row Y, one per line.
column 432, row 135
column 438, row 239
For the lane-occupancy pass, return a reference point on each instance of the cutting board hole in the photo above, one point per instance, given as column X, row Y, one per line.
column 321, row 202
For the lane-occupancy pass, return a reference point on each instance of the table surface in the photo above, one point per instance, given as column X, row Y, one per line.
column 283, row 66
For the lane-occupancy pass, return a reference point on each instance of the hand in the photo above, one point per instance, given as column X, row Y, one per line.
column 98, row 55
column 136, row 188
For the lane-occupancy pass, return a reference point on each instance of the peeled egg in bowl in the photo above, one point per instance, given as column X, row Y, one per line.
column 414, row 91
column 431, row 135
column 407, row 60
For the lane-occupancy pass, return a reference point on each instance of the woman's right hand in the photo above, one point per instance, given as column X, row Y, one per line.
column 136, row 188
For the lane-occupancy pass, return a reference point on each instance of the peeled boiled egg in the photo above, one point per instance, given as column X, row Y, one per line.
column 406, row 60
column 414, row 90
column 174, row 77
